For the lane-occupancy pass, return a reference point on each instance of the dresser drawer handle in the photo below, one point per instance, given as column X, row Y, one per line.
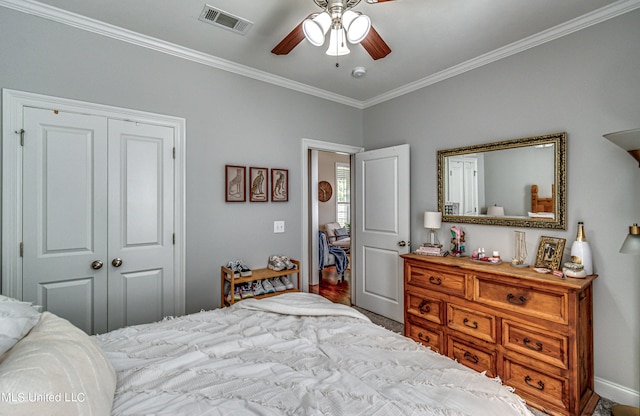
column 424, row 338
column 424, row 307
column 473, row 325
column 511, row 299
column 435, row 280
column 539, row 385
column 473, row 358
column 537, row 347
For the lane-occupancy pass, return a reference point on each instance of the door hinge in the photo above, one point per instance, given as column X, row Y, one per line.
column 21, row 133
column 174, row 152
column 174, row 239
column 21, row 249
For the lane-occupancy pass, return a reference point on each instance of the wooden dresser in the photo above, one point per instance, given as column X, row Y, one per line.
column 534, row 331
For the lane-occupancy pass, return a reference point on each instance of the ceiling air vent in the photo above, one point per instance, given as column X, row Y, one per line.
column 224, row 20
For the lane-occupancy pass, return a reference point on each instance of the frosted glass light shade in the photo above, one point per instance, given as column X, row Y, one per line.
column 432, row 220
column 337, row 43
column 357, row 26
column 629, row 140
column 316, row 28
column 631, row 244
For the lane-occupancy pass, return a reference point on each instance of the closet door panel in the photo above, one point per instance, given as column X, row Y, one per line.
column 64, row 215
column 140, row 223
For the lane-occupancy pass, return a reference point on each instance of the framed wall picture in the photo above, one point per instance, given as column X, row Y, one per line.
column 259, row 180
column 235, row 178
column 279, row 185
column 550, row 250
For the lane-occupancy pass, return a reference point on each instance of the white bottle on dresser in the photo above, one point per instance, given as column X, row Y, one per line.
column 581, row 250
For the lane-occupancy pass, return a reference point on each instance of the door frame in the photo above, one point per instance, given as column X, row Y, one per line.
column 13, row 103
column 310, row 203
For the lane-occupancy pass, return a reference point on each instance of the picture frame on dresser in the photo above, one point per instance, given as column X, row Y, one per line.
column 235, row 178
column 550, row 251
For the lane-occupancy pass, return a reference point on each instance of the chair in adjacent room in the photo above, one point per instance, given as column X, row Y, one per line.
column 338, row 236
column 329, row 255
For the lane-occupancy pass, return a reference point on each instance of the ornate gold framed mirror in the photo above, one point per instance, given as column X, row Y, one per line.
column 518, row 183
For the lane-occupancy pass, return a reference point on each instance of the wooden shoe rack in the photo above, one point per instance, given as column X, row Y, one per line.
column 226, row 275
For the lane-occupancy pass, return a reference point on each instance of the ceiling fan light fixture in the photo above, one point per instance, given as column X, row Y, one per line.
column 357, row 26
column 315, row 28
column 337, row 43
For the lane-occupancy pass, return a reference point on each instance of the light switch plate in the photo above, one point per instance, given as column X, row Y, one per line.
column 278, row 226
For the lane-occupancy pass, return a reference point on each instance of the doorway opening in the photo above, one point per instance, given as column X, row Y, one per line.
column 310, row 224
column 333, row 202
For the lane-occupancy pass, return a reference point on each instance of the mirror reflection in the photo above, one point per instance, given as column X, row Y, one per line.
column 517, row 182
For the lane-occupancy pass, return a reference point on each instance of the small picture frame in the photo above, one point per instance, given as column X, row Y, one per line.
column 550, row 250
column 235, row 178
column 279, row 185
column 258, row 184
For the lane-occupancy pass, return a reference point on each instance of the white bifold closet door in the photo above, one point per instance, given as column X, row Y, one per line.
column 97, row 219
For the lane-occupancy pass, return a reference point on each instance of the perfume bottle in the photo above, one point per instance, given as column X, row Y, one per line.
column 581, row 250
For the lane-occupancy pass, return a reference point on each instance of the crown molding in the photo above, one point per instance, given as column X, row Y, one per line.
column 101, row 28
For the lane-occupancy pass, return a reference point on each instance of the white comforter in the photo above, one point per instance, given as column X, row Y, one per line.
column 293, row 354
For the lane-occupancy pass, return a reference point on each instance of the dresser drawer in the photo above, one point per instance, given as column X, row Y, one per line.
column 470, row 322
column 533, row 383
column 546, row 346
column 547, row 305
column 437, row 279
column 425, row 336
column 424, row 307
column 472, row 357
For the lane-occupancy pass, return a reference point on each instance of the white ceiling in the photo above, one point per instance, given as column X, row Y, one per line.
column 430, row 39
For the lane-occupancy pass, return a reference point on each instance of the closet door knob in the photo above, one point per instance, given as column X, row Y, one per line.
column 117, row 262
column 96, row 264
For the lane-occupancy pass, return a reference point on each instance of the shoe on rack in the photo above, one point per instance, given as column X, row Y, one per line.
column 245, row 291
column 276, row 263
column 245, row 271
column 233, row 266
column 237, row 295
column 227, row 291
column 267, row 286
column 286, row 282
column 256, row 288
column 278, row 285
column 289, row 264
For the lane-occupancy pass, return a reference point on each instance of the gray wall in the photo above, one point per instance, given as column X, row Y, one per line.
column 586, row 84
column 230, row 120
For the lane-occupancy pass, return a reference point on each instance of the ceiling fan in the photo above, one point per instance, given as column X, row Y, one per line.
column 343, row 24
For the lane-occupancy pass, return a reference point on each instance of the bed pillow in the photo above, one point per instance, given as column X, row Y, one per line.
column 16, row 320
column 56, row 369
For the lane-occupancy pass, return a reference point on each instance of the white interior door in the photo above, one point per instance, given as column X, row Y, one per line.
column 462, row 185
column 141, row 251
column 65, row 215
column 382, row 229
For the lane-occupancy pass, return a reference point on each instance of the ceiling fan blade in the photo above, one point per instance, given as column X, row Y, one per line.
column 377, row 1
column 375, row 45
column 290, row 41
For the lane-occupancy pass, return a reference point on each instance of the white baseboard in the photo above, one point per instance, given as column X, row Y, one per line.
column 616, row 392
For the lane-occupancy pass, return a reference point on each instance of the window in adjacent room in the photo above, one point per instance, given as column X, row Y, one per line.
column 343, row 194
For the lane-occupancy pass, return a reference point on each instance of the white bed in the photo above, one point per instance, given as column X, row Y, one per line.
column 293, row 354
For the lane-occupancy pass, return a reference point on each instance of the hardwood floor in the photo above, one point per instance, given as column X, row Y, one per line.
column 332, row 287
